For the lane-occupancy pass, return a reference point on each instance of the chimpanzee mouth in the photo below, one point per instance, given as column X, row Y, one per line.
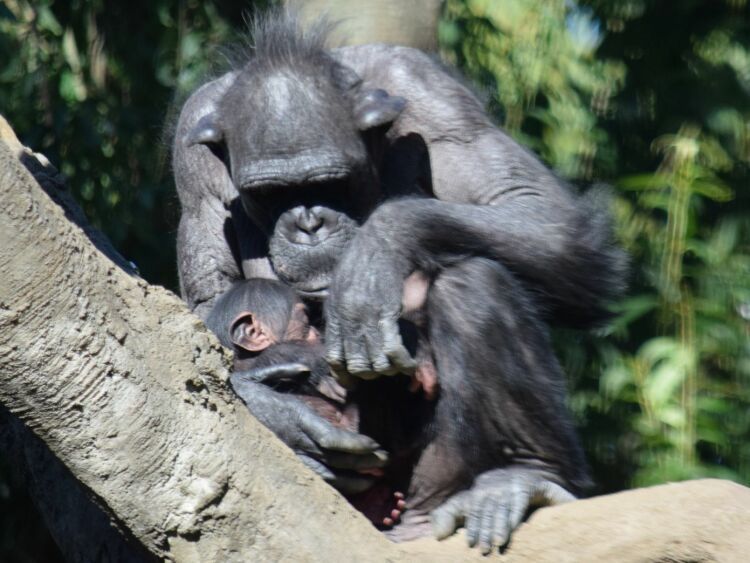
column 316, row 288
column 315, row 294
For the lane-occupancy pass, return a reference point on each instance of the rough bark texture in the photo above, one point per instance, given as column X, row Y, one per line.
column 127, row 388
column 705, row 520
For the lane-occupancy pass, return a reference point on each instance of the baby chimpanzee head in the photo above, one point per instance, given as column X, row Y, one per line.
column 257, row 313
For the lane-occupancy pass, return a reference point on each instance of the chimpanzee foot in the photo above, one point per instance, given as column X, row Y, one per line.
column 380, row 505
column 395, row 514
column 413, row 525
column 495, row 505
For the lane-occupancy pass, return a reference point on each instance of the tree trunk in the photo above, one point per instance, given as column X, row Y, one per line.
column 127, row 389
column 413, row 23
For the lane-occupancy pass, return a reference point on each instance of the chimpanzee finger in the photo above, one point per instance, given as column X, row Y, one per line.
column 322, row 470
column 380, row 362
column 273, row 374
column 502, row 525
column 351, row 483
column 347, row 483
column 477, row 508
column 547, row 493
column 394, row 349
column 518, row 507
column 334, row 344
column 336, row 353
column 376, row 459
column 329, row 437
column 357, row 360
column 494, row 511
column 447, row 518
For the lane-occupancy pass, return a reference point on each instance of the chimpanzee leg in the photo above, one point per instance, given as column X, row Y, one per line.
column 501, row 403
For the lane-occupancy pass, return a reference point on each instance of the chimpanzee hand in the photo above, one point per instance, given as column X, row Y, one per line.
column 495, row 505
column 363, row 309
column 337, row 455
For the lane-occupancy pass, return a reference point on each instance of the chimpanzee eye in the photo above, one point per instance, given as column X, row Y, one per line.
column 276, row 199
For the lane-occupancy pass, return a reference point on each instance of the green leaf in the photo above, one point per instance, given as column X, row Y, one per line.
column 47, row 21
column 614, row 379
column 71, row 87
column 663, row 382
column 70, row 51
column 640, row 182
column 672, row 415
column 633, row 308
column 713, row 189
column 655, row 200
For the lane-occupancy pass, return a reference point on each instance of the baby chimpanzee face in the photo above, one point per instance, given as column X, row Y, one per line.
column 299, row 326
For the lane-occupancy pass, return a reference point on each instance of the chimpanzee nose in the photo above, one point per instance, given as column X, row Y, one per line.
column 309, row 221
column 307, row 225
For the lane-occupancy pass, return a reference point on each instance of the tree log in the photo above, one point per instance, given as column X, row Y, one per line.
column 128, row 390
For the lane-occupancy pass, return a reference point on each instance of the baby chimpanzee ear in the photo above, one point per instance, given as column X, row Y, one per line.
column 376, row 107
column 248, row 333
column 206, row 131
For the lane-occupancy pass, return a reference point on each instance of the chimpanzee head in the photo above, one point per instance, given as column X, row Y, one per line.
column 299, row 133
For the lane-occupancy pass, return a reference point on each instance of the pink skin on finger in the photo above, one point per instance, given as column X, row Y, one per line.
column 425, row 378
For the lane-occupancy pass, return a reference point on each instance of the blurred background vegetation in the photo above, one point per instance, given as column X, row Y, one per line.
column 651, row 97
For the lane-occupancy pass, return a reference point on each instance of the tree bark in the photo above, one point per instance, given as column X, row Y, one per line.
column 413, row 23
column 127, row 389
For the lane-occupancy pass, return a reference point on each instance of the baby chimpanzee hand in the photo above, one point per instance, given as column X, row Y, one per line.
column 336, row 454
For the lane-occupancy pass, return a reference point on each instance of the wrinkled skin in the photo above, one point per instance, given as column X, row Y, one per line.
column 278, row 162
column 266, row 325
column 495, row 506
column 274, row 344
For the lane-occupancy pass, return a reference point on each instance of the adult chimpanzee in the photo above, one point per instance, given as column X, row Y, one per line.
column 276, row 164
column 266, row 325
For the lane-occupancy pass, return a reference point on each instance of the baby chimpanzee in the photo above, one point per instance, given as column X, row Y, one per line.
column 274, row 344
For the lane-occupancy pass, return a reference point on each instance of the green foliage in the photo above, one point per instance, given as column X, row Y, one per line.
column 89, row 83
column 689, row 385
column 537, row 59
column 665, row 395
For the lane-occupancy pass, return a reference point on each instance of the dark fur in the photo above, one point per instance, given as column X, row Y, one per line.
column 506, row 242
column 261, row 297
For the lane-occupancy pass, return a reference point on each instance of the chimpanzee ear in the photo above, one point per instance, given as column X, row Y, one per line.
column 248, row 333
column 206, row 131
column 377, row 107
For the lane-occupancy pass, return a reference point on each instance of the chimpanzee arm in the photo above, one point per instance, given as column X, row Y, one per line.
column 500, row 425
column 559, row 246
column 204, row 257
column 496, row 199
column 214, row 237
column 333, row 453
